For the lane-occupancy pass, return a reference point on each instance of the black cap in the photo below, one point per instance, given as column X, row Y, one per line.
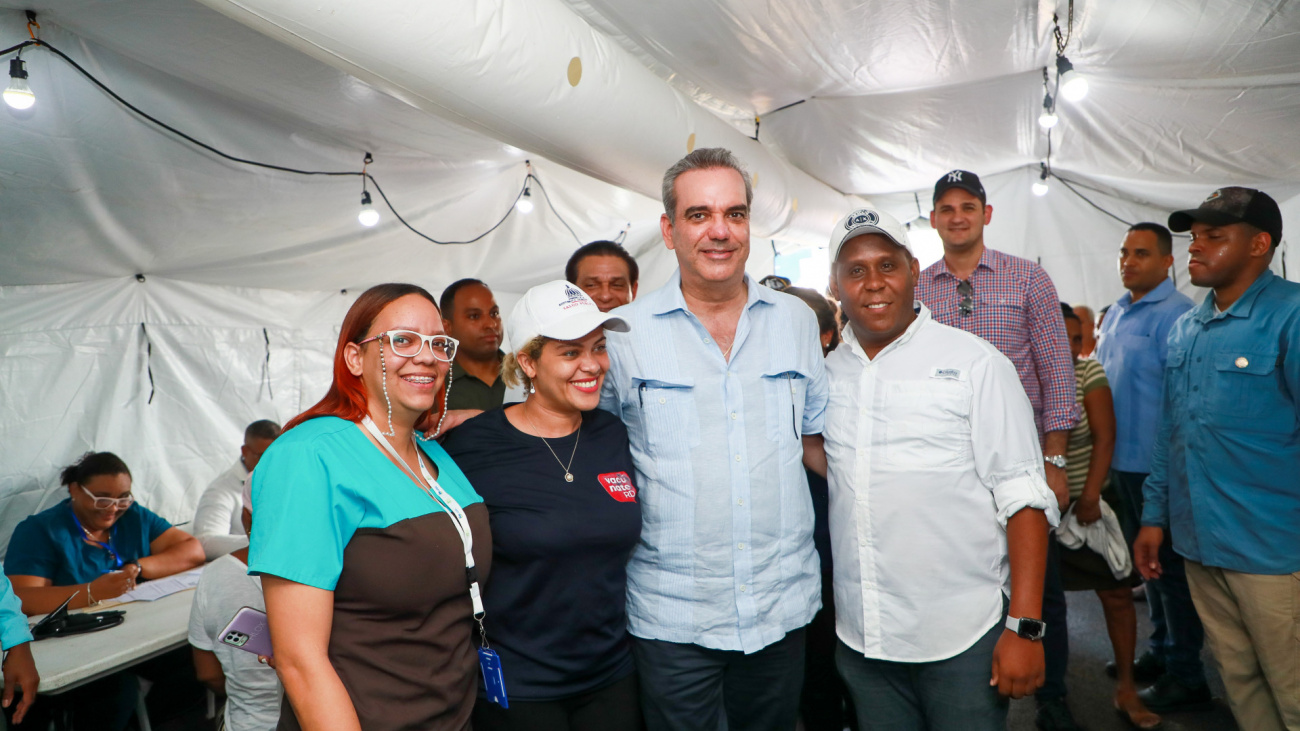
column 1233, row 205
column 964, row 179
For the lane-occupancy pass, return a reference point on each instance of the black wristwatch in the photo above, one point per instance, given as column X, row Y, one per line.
column 1030, row 629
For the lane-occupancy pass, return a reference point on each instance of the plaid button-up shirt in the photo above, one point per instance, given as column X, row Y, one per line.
column 1017, row 310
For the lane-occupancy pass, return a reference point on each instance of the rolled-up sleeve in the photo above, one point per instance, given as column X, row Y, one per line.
column 1008, row 458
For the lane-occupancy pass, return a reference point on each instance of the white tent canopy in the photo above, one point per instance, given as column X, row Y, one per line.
column 247, row 271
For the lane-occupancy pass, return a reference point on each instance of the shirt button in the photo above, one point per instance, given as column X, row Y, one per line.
column 733, row 416
column 663, row 400
column 742, row 588
column 741, row 546
column 706, row 340
column 738, row 458
column 740, row 501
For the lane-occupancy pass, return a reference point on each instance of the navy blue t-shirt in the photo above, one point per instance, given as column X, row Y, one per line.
column 556, row 600
column 50, row 545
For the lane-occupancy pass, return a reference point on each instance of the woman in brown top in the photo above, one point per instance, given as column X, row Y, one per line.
column 366, row 540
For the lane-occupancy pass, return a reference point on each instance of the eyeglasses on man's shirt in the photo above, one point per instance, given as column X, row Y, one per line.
column 409, row 343
column 967, row 305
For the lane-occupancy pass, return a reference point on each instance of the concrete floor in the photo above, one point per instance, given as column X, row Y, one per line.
column 1091, row 692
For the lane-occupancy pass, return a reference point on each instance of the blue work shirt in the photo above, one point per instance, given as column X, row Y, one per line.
column 1132, row 347
column 13, row 623
column 726, row 558
column 50, row 545
column 1223, row 474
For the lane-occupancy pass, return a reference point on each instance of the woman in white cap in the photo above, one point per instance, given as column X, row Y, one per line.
column 556, row 475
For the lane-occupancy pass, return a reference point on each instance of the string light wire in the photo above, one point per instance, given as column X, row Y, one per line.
column 363, row 173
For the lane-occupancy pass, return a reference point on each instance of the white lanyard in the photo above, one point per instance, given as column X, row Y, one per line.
column 449, row 504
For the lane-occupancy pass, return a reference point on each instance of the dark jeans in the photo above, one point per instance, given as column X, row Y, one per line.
column 615, row 706
column 948, row 695
column 1056, row 643
column 824, row 704
column 1176, row 635
column 688, row 687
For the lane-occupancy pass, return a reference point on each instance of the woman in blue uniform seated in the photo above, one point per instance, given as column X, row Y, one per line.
column 368, row 537
column 96, row 545
column 556, row 475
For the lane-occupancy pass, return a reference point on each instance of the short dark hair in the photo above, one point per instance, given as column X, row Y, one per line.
column 447, row 301
column 1164, row 239
column 93, row 464
column 823, row 308
column 704, row 158
column 262, row 429
column 1068, row 313
column 601, row 248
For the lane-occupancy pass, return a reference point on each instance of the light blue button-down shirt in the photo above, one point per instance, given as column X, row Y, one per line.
column 1224, row 474
column 726, row 558
column 1132, row 347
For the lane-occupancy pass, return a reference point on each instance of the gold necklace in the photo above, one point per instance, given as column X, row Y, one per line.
column 568, row 475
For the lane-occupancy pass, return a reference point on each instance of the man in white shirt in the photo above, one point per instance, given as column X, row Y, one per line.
column 217, row 522
column 939, row 507
column 252, row 689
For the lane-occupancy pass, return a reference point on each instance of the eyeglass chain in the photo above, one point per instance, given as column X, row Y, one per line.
column 446, row 400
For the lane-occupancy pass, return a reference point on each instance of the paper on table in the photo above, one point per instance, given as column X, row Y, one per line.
column 158, row 588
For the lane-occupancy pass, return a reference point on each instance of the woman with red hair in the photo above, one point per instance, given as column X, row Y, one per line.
column 369, row 540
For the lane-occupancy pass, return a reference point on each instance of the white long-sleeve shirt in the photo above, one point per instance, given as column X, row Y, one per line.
column 218, row 521
column 931, row 448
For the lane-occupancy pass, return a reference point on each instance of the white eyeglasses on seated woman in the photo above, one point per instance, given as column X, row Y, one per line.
column 409, row 343
column 107, row 503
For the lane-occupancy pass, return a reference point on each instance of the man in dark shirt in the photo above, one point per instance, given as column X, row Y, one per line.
column 470, row 314
column 606, row 272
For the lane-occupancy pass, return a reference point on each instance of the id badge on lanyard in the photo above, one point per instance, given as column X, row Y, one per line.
column 488, row 660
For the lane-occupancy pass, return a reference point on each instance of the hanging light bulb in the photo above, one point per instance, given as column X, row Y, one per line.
column 525, row 203
column 1048, row 118
column 1040, row 186
column 19, row 95
column 1072, row 84
column 368, row 216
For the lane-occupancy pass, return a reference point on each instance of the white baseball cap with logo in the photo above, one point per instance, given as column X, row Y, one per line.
column 560, row 311
column 868, row 221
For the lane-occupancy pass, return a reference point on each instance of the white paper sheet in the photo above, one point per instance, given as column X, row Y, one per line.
column 158, row 588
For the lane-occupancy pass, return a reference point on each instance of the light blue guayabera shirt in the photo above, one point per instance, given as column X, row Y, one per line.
column 1224, row 473
column 726, row 558
column 13, row 623
column 1132, row 347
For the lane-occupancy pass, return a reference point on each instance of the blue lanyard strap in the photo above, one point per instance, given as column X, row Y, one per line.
column 106, row 546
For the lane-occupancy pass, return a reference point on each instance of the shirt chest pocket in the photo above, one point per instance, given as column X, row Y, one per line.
column 1247, row 391
column 929, row 424
column 785, row 393
column 668, row 414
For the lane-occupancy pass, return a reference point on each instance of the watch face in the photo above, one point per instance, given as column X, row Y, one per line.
column 1032, row 629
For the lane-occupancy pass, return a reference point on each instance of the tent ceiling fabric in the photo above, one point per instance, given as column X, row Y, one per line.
column 899, row 92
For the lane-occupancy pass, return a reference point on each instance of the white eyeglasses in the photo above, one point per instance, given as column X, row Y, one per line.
column 409, row 343
column 105, row 503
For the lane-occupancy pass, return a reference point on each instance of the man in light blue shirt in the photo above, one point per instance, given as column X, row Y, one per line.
column 1132, row 348
column 718, row 381
column 19, row 667
column 1223, row 474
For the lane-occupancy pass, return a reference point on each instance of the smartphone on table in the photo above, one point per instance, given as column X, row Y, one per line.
column 248, row 631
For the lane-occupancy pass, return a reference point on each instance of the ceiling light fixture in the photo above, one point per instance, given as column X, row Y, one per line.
column 1073, row 86
column 1048, row 118
column 18, row 95
column 368, row 216
column 525, row 203
column 1040, row 186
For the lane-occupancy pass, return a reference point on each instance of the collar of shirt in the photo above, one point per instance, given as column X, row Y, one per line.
column 669, row 298
column 1241, row 308
column 459, row 374
column 1159, row 294
column 922, row 316
column 990, row 259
